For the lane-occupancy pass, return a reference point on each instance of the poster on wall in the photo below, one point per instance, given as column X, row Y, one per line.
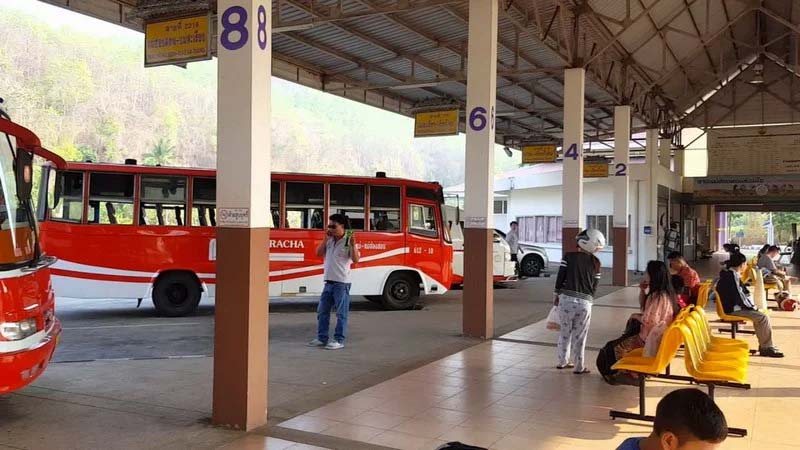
column 754, row 151
column 747, row 189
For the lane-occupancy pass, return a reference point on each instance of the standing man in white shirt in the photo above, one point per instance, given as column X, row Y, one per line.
column 512, row 237
column 338, row 251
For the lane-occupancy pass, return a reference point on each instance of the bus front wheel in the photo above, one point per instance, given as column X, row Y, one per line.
column 400, row 292
column 176, row 294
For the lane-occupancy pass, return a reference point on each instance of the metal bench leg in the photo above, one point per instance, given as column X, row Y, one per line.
column 642, row 407
column 731, row 430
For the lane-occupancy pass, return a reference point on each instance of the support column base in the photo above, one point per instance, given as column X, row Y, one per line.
column 619, row 274
column 568, row 240
column 478, row 298
column 241, row 325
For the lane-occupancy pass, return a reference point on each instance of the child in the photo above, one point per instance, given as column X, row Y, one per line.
column 685, row 419
column 576, row 284
column 681, row 294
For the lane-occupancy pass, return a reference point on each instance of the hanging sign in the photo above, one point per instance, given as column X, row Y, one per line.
column 595, row 169
column 177, row 41
column 436, row 123
column 532, row 154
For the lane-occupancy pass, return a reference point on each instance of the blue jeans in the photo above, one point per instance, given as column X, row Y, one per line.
column 333, row 295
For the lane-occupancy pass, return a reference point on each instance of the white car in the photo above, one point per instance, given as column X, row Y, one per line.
column 533, row 260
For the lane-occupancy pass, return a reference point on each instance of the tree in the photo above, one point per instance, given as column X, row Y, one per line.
column 163, row 153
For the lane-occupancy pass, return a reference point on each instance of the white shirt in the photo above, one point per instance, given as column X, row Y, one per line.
column 337, row 261
column 513, row 241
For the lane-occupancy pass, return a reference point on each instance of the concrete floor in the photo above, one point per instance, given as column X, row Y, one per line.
column 124, row 378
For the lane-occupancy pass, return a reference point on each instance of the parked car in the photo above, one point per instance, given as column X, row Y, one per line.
column 533, row 261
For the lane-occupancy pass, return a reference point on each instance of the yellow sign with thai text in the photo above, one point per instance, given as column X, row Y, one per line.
column 595, row 169
column 177, row 41
column 436, row 123
column 532, row 154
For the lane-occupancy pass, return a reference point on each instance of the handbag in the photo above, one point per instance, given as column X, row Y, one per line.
column 553, row 322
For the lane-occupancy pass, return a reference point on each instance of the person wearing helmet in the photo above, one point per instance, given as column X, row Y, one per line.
column 576, row 284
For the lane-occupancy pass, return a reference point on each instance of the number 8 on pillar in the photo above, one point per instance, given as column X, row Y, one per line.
column 235, row 29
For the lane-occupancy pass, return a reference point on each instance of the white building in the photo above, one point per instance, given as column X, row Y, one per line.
column 531, row 195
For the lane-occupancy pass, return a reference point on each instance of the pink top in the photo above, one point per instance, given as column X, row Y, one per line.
column 657, row 314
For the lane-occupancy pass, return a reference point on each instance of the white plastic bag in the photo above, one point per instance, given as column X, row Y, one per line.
column 553, row 323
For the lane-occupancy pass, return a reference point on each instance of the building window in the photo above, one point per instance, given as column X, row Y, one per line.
column 540, row 229
column 501, row 206
column 605, row 224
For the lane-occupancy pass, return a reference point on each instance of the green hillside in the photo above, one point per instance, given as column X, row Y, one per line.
column 91, row 98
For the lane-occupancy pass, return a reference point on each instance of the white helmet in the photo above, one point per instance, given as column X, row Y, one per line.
column 591, row 240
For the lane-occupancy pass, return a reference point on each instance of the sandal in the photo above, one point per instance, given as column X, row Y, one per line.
column 584, row 371
column 566, row 366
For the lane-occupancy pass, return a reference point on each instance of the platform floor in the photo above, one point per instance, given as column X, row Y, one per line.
column 506, row 394
column 503, row 394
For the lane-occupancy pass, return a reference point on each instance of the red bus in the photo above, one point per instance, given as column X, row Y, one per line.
column 131, row 231
column 29, row 329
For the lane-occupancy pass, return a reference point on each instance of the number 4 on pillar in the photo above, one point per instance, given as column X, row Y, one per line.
column 572, row 152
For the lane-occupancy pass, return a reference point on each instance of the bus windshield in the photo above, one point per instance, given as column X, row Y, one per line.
column 16, row 234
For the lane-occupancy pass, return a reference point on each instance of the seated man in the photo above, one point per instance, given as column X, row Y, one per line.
column 736, row 301
column 691, row 280
column 685, row 419
column 773, row 273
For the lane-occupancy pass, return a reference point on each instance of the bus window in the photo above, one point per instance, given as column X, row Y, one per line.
column 65, row 196
column 204, row 201
column 111, row 199
column 162, row 201
column 304, row 205
column 423, row 220
column 348, row 199
column 384, row 208
column 275, row 203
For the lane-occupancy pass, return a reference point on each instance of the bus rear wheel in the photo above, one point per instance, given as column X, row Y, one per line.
column 400, row 292
column 176, row 294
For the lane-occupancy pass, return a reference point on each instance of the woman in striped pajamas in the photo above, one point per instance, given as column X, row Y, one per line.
column 576, row 284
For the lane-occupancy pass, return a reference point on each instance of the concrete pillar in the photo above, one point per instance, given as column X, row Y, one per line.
column 572, row 179
column 243, row 164
column 478, row 304
column 621, row 171
column 664, row 152
column 648, row 204
column 680, row 155
column 713, row 238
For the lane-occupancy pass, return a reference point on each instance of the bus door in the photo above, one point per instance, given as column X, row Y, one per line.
column 424, row 240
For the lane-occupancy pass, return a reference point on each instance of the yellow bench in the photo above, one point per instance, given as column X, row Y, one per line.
column 734, row 321
column 710, row 361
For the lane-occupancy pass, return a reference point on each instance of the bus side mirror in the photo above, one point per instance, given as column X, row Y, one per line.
column 24, row 173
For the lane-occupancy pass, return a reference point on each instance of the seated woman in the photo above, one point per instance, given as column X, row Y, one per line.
column 659, row 307
column 736, row 301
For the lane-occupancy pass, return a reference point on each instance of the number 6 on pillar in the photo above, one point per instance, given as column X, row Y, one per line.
column 235, row 28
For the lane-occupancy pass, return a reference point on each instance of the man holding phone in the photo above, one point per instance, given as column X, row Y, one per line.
column 338, row 251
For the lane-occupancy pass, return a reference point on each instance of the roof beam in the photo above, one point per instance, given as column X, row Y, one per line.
column 670, row 73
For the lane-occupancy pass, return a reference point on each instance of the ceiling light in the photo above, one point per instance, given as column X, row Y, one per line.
column 508, row 151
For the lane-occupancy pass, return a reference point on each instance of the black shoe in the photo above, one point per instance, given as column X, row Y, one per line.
column 771, row 352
